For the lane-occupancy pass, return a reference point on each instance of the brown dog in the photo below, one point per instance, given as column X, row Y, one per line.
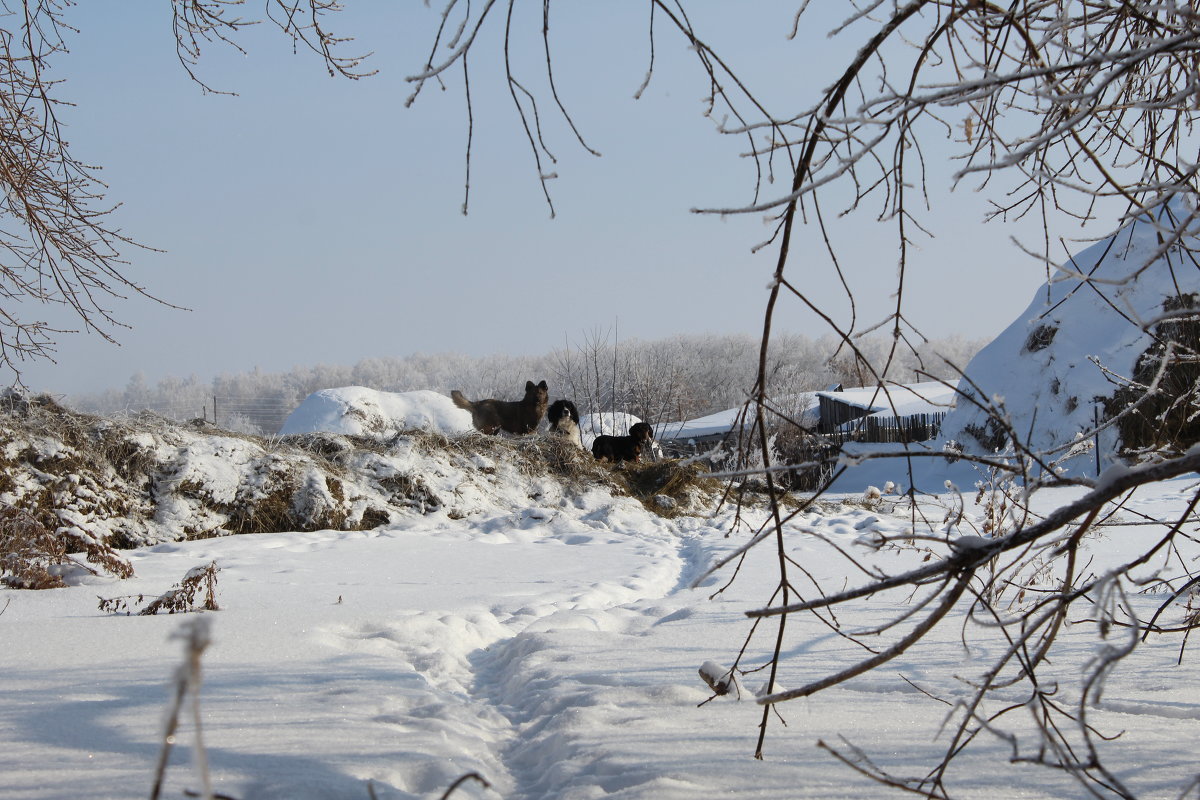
column 623, row 448
column 521, row 416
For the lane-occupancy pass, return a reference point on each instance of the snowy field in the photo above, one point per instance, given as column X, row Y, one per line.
column 552, row 650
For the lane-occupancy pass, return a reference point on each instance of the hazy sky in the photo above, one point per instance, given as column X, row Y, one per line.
column 317, row 220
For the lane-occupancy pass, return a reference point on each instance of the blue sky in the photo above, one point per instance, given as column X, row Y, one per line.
column 317, row 220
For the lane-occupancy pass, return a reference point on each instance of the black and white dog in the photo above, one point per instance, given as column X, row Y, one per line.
column 564, row 421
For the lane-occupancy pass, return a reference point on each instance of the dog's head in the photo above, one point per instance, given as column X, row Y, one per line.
column 539, row 394
column 561, row 410
column 641, row 432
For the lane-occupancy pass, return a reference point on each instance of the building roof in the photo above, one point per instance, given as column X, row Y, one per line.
column 722, row 422
column 929, row 397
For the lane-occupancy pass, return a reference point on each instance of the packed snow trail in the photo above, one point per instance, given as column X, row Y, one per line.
column 597, row 565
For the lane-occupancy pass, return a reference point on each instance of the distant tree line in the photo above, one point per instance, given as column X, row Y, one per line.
column 676, row 378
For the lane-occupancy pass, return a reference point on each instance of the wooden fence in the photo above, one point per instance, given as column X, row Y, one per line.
column 890, row 430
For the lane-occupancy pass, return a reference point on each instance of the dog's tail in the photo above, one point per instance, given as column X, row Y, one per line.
column 460, row 400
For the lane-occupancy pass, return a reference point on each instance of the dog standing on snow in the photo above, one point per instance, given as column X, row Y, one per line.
column 519, row 416
column 623, row 448
column 564, row 421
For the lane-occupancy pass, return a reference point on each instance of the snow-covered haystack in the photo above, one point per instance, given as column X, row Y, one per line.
column 1057, row 368
column 358, row 411
column 145, row 479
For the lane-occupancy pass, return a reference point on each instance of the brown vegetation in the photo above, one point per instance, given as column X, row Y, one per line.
column 34, row 557
column 179, row 599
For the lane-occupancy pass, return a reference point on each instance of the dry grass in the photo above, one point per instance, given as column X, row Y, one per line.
column 61, row 467
column 669, row 487
column 179, row 599
column 1163, row 423
column 28, row 551
column 575, row 467
column 33, row 557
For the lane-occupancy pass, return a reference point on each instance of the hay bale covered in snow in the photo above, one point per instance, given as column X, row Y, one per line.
column 1061, row 364
column 358, row 411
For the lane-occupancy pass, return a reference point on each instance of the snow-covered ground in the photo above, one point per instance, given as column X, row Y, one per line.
column 551, row 648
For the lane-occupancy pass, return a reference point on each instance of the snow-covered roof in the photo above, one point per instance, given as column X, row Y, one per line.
column 928, row 397
column 714, row 424
column 723, row 422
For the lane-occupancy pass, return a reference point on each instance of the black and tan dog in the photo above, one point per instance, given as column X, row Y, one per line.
column 519, row 416
column 564, row 421
column 623, row 448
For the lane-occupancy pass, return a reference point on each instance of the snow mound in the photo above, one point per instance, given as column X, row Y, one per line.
column 358, row 411
column 1052, row 369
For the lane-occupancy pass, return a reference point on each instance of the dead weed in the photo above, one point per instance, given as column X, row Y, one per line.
column 33, row 557
column 179, row 599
